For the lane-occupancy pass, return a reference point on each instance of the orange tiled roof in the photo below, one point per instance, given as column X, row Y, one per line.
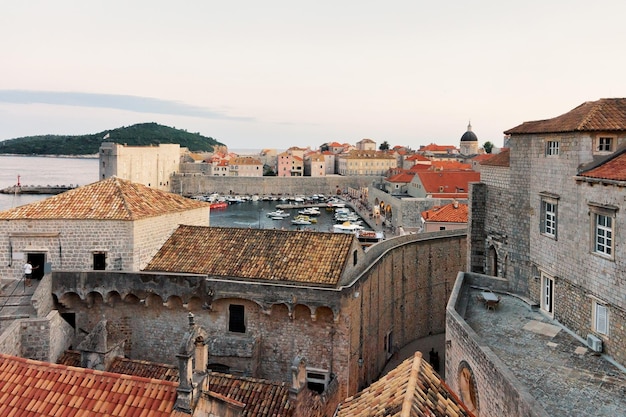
column 262, row 398
column 502, row 159
column 448, row 213
column 417, row 157
column 482, row 157
column 607, row 114
column 404, row 177
column 335, row 145
column 449, row 165
column 273, row 255
column 613, row 168
column 245, row 160
column 412, row 389
column 109, row 199
column 452, row 181
column 32, row 388
column 437, row 148
column 373, row 154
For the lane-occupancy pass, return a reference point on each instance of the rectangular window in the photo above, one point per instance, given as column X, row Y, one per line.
column 600, row 318
column 317, row 379
column 552, row 147
column 236, row 320
column 604, row 235
column 547, row 293
column 604, row 144
column 548, row 220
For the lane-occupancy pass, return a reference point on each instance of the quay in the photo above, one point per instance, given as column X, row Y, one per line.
column 37, row 189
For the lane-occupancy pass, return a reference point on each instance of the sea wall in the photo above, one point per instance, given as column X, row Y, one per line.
column 189, row 184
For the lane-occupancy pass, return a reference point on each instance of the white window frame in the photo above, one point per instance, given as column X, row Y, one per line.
column 552, row 147
column 547, row 293
column 600, row 318
column 604, row 144
column 318, row 376
column 603, row 225
column 548, row 223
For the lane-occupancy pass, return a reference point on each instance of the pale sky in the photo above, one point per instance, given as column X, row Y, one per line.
column 274, row 74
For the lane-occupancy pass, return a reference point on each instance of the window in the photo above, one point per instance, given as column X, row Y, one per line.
column 548, row 220
column 236, row 321
column 552, row 147
column 547, row 293
column 388, row 344
column 604, row 144
column 603, row 225
column 317, row 379
column 99, row 261
column 600, row 318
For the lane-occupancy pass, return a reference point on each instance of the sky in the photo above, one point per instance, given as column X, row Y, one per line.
column 275, row 74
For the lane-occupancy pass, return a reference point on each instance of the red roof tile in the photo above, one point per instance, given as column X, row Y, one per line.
column 110, row 199
column 613, row 168
column 452, row 213
column 502, row 159
column 275, row 255
column 448, row 182
column 403, row 177
column 39, row 389
column 412, row 389
column 607, row 114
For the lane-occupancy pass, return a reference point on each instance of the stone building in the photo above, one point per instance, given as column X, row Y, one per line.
column 469, row 142
column 112, row 224
column 151, row 166
column 449, row 217
column 366, row 145
column 245, row 166
column 370, row 162
column 545, row 219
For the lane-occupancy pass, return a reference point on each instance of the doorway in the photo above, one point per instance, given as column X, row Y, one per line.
column 38, row 260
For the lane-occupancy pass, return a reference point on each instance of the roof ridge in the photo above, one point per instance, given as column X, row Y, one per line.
column 120, row 191
column 411, row 385
column 595, row 108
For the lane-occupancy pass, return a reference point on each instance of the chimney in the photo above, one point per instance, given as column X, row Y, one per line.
column 455, row 204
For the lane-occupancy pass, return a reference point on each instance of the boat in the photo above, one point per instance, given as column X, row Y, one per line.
column 255, row 198
column 278, row 213
column 310, row 211
column 300, row 222
column 277, row 217
column 219, row 205
column 347, row 227
column 305, row 218
column 369, row 237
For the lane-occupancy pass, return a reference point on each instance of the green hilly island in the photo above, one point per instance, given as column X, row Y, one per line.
column 142, row 134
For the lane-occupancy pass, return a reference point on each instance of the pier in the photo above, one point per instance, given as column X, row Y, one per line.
column 37, row 189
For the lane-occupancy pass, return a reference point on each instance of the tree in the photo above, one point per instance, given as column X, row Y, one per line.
column 488, row 147
column 384, row 146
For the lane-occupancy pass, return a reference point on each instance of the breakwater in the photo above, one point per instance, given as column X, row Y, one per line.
column 189, row 184
column 37, row 189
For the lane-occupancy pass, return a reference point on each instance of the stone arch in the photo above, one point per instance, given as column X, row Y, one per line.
column 280, row 310
column 112, row 298
column 94, row 298
column 131, row 299
column 195, row 304
column 174, row 302
column 301, row 311
column 388, row 211
column 492, row 261
column 153, row 301
column 70, row 300
column 468, row 388
column 323, row 314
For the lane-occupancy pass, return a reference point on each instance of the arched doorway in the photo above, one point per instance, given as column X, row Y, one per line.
column 492, row 262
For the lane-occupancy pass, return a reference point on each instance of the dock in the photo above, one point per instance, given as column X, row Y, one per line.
column 37, row 189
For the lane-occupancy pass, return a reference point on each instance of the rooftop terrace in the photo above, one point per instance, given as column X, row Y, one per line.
column 555, row 367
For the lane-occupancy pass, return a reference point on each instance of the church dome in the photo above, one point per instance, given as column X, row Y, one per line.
column 469, row 136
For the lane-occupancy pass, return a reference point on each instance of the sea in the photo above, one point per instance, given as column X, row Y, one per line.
column 40, row 170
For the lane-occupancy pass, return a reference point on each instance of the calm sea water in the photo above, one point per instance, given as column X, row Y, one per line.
column 37, row 170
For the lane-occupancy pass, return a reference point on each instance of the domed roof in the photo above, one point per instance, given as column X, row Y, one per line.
column 469, row 136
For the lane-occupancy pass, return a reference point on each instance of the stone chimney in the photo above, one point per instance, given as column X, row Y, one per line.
column 100, row 347
column 193, row 379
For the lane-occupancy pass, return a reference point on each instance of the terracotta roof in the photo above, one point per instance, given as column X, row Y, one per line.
column 109, row 199
column 449, row 165
column 482, row 157
column 448, row 213
column 437, row 148
column 607, row 114
column 502, row 159
column 613, row 168
column 39, row 389
column 262, row 398
column 412, row 389
column 417, row 157
column 369, row 154
column 273, row 255
column 403, row 177
column 335, row 145
column 448, row 182
column 245, row 160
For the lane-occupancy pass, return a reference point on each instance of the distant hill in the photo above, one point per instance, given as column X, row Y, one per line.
column 142, row 134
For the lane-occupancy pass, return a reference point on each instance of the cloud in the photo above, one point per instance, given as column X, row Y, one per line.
column 112, row 101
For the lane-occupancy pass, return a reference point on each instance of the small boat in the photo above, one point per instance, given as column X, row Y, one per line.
column 300, row 222
column 347, row 227
column 254, row 198
column 277, row 217
column 278, row 213
column 219, row 205
column 369, row 237
column 310, row 211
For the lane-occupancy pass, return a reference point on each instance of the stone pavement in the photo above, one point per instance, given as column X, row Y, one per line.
column 15, row 301
column 556, row 368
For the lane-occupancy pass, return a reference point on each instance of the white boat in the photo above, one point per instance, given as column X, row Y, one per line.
column 369, row 237
column 310, row 211
column 255, row 197
column 278, row 213
column 347, row 227
column 300, row 222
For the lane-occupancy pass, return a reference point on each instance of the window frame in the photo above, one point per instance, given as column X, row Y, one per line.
column 317, row 377
column 547, row 300
column 604, row 141
column 549, row 226
column 236, row 325
column 603, row 231
column 552, row 148
column 600, row 312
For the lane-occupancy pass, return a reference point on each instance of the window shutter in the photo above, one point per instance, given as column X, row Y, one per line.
column 601, row 319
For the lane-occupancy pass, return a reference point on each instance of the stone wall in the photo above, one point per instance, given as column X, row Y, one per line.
column 193, row 184
column 400, row 287
column 501, row 394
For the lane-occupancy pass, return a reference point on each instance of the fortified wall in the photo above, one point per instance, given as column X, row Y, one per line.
column 397, row 294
